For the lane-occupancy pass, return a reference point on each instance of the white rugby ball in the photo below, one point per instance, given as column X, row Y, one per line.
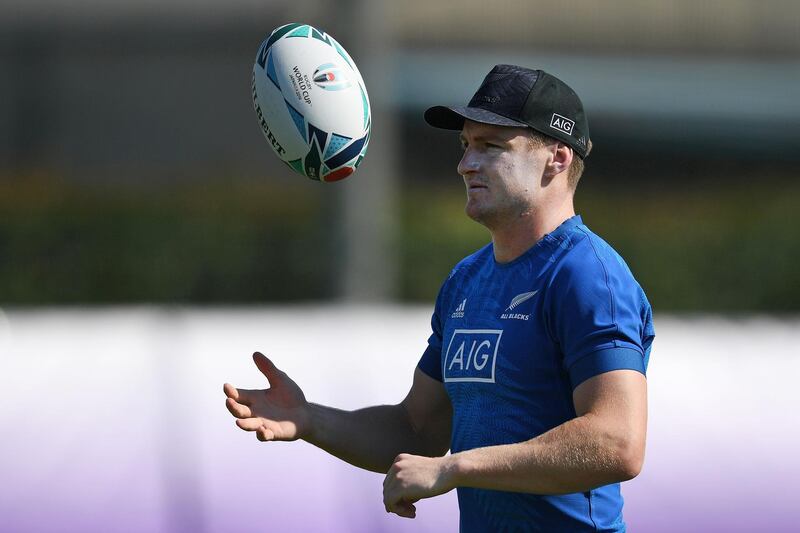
column 311, row 102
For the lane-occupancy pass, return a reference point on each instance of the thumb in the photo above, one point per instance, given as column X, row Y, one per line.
column 266, row 367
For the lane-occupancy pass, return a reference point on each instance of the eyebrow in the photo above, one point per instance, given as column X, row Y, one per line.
column 483, row 138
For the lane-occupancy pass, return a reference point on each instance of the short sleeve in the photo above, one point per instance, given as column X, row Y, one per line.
column 431, row 360
column 598, row 313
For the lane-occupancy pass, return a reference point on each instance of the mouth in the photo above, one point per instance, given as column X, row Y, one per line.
column 476, row 186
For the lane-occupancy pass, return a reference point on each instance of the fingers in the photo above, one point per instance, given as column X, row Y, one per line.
column 250, row 424
column 245, row 396
column 230, row 391
column 238, row 410
column 393, row 499
column 263, row 433
column 240, row 401
column 404, row 509
column 242, row 396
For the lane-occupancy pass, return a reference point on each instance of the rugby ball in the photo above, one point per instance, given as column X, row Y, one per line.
column 311, row 102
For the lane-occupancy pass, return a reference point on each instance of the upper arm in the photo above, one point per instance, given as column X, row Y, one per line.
column 430, row 413
column 617, row 401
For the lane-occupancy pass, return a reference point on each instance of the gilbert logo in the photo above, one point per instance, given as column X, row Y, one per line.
column 562, row 123
column 459, row 312
column 515, row 302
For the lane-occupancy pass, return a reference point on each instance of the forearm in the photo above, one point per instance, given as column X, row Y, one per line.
column 576, row 456
column 368, row 438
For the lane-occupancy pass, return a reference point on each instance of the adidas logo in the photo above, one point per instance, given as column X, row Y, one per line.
column 459, row 312
column 515, row 302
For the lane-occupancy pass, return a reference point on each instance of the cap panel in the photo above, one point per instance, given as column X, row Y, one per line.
column 554, row 109
column 504, row 90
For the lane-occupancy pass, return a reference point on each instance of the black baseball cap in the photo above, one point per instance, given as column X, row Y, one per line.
column 522, row 97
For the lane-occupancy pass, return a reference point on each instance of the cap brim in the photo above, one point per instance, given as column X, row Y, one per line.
column 452, row 118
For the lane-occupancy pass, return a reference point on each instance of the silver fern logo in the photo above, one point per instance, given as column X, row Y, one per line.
column 516, row 302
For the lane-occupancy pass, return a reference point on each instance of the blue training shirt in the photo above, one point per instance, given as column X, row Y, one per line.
column 512, row 341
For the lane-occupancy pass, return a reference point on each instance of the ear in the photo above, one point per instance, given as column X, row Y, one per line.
column 559, row 160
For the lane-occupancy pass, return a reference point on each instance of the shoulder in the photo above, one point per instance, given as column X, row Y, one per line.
column 589, row 276
column 586, row 256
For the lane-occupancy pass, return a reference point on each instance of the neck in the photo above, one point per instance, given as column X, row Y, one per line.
column 513, row 239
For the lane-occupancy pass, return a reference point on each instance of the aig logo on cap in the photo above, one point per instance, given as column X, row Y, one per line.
column 562, row 123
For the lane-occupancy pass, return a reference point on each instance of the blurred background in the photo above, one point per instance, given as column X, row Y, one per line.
column 137, row 195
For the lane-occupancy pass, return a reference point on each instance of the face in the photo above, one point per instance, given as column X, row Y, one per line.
column 501, row 170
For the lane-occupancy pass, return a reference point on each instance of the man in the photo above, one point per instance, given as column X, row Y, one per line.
column 534, row 374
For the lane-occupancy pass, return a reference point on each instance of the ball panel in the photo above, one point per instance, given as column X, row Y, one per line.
column 347, row 154
column 335, row 144
column 313, row 163
column 298, row 119
column 302, row 31
column 339, row 174
column 297, row 166
column 271, row 74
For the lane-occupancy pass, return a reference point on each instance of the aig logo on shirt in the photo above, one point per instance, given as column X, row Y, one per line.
column 471, row 355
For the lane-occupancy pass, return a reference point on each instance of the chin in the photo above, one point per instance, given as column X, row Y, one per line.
column 472, row 211
column 478, row 215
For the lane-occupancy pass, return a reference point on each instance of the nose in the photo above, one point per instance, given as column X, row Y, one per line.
column 468, row 163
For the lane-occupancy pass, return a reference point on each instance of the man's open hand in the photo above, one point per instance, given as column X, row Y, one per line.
column 277, row 413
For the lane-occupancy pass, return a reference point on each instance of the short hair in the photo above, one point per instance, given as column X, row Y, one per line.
column 538, row 140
